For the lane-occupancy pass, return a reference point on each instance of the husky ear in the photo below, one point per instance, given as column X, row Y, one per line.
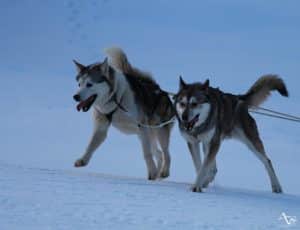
column 79, row 66
column 182, row 83
column 206, row 85
column 105, row 67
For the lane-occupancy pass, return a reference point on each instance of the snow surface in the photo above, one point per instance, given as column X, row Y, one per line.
column 41, row 134
column 32, row 198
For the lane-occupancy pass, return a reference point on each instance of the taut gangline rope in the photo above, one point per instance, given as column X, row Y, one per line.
column 254, row 109
column 274, row 114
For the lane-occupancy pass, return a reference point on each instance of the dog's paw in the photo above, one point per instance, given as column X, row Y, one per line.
column 152, row 176
column 210, row 178
column 196, row 188
column 164, row 174
column 277, row 189
column 80, row 163
column 206, row 183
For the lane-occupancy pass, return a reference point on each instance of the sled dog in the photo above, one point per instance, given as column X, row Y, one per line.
column 130, row 100
column 207, row 115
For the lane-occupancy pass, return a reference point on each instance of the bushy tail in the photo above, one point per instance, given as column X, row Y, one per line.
column 119, row 60
column 262, row 88
column 154, row 102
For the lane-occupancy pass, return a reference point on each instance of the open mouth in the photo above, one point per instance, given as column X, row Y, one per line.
column 190, row 125
column 86, row 104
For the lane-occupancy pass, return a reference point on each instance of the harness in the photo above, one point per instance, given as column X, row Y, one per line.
column 133, row 83
column 119, row 106
column 139, row 124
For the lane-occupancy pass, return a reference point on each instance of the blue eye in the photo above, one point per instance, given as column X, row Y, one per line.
column 182, row 104
column 89, row 85
column 193, row 105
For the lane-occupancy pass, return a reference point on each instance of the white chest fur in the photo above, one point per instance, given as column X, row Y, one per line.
column 201, row 137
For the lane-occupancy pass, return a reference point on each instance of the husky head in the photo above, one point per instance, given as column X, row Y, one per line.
column 192, row 104
column 95, row 84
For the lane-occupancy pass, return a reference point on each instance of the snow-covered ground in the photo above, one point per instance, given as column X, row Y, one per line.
column 32, row 198
column 41, row 134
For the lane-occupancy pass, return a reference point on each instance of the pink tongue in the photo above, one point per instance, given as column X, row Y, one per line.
column 192, row 122
column 84, row 103
column 80, row 105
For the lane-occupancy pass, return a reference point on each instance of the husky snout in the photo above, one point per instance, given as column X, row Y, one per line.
column 190, row 123
column 185, row 116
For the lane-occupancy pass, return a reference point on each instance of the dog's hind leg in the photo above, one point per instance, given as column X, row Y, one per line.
column 163, row 137
column 250, row 136
column 145, row 136
column 157, row 153
column 101, row 125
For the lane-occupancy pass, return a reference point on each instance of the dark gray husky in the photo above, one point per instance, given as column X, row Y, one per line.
column 208, row 115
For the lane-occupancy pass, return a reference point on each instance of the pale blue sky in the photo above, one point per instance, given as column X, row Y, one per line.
column 228, row 41
column 195, row 38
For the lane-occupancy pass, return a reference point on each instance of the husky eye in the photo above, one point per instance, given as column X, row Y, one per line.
column 182, row 104
column 88, row 85
column 194, row 104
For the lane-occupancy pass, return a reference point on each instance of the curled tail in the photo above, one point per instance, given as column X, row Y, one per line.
column 148, row 94
column 119, row 60
column 262, row 88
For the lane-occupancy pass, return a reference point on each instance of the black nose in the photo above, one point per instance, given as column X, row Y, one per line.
column 76, row 97
column 185, row 117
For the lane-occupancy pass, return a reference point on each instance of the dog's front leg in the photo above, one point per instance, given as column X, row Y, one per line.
column 213, row 148
column 195, row 152
column 101, row 125
column 212, row 170
column 146, row 145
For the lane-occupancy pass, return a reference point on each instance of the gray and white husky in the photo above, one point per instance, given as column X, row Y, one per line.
column 208, row 115
column 131, row 101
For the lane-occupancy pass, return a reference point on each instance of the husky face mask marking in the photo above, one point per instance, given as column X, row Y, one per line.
column 94, row 84
column 192, row 104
